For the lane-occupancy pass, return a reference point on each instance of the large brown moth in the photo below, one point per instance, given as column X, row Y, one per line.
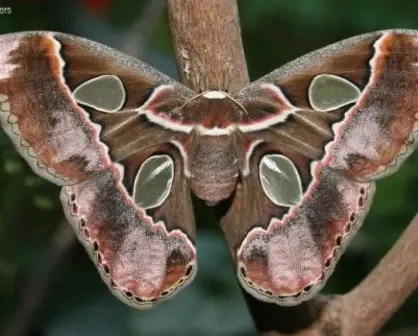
column 296, row 154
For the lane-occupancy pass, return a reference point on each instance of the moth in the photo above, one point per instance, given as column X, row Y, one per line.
column 295, row 153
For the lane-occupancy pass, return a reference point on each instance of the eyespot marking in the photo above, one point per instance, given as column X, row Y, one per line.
column 329, row 92
column 154, row 181
column 280, row 180
column 104, row 93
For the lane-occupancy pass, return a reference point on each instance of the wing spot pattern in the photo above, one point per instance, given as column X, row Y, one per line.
column 329, row 92
column 106, row 269
column 328, row 262
column 87, row 234
column 347, row 228
column 95, row 246
column 104, row 93
column 338, row 240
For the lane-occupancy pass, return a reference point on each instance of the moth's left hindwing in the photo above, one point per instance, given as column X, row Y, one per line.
column 324, row 127
column 79, row 113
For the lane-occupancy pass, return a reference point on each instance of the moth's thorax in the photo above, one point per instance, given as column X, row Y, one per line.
column 213, row 109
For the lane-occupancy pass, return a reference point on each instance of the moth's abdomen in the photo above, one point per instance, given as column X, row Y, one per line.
column 214, row 169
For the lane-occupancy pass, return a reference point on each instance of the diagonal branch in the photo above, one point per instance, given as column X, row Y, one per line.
column 209, row 55
column 364, row 310
column 368, row 306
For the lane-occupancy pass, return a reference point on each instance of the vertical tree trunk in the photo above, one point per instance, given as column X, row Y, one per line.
column 207, row 44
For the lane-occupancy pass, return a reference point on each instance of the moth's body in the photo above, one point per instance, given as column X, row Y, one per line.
column 211, row 146
column 296, row 153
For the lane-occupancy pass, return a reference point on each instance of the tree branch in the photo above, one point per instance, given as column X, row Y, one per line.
column 209, row 55
column 364, row 310
column 207, row 44
column 371, row 304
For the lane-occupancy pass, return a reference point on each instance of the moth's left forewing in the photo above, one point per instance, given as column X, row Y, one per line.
column 38, row 113
column 92, row 119
column 326, row 126
column 53, row 85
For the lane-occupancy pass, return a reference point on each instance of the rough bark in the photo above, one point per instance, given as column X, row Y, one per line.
column 207, row 44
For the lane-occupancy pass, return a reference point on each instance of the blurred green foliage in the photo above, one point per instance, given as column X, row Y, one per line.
column 78, row 303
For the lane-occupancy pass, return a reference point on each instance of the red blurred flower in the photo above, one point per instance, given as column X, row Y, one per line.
column 99, row 7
